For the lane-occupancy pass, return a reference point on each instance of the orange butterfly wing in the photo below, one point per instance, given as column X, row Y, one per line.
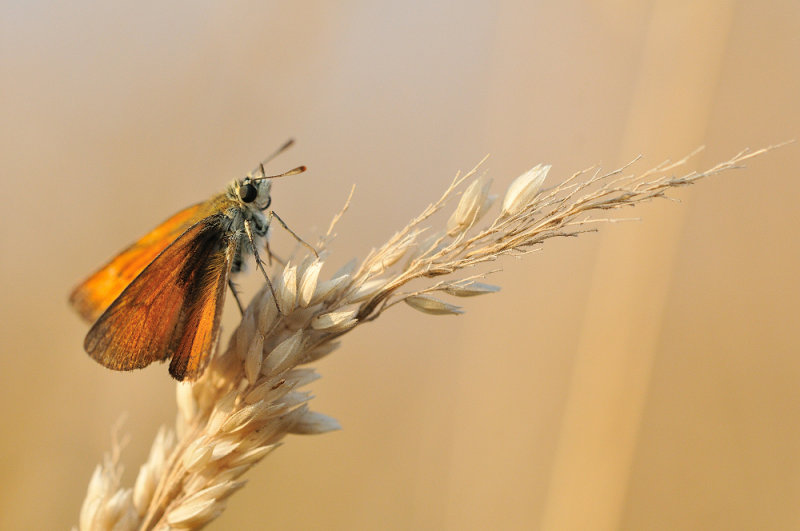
column 97, row 292
column 172, row 308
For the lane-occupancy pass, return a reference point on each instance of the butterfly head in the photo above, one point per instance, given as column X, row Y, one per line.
column 254, row 192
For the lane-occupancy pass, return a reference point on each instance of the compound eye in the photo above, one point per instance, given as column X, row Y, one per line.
column 248, row 193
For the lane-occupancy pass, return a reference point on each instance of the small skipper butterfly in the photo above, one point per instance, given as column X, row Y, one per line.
column 161, row 298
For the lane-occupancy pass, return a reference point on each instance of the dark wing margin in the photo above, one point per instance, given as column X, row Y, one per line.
column 172, row 308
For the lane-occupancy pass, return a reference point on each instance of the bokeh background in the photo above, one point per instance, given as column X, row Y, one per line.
column 645, row 377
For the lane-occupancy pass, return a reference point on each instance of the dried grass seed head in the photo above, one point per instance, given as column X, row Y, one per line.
column 234, row 424
column 473, row 205
column 523, row 189
column 426, row 304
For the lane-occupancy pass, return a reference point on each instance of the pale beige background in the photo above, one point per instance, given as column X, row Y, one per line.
column 642, row 378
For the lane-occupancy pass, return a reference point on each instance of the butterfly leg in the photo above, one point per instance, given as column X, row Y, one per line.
column 260, row 263
column 236, row 296
column 266, row 248
column 271, row 255
column 272, row 214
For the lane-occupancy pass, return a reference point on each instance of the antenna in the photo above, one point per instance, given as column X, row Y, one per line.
column 294, row 171
column 286, row 145
column 278, row 151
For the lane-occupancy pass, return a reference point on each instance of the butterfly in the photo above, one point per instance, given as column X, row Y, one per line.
column 162, row 297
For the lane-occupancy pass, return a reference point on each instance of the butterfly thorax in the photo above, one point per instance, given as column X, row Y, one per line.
column 245, row 207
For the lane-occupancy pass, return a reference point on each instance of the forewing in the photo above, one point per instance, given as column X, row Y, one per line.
column 203, row 312
column 96, row 293
column 156, row 315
